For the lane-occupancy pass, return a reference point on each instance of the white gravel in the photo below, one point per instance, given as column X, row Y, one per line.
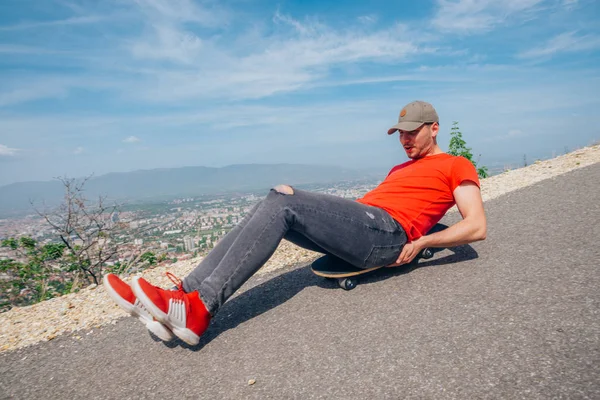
column 78, row 313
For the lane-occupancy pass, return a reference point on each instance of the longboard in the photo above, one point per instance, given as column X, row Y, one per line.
column 346, row 274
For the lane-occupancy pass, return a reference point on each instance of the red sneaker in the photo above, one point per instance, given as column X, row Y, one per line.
column 183, row 313
column 121, row 293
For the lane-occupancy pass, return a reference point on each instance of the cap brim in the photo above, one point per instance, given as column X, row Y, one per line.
column 405, row 126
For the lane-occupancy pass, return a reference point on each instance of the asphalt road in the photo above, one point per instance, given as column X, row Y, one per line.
column 515, row 316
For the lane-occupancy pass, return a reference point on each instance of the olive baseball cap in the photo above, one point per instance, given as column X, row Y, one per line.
column 413, row 115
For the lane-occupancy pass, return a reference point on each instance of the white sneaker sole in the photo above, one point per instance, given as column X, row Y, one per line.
column 158, row 329
column 174, row 325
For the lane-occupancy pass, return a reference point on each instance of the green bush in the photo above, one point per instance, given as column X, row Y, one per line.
column 40, row 272
column 458, row 147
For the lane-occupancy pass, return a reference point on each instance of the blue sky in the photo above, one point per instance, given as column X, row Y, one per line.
column 119, row 85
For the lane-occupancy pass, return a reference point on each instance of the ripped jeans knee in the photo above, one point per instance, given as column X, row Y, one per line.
column 284, row 189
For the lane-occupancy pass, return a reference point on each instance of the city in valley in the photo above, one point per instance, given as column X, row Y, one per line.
column 172, row 230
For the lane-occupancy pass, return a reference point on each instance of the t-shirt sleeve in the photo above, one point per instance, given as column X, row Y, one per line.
column 463, row 170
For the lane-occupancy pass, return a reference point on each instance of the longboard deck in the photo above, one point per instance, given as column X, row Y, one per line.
column 333, row 267
column 330, row 266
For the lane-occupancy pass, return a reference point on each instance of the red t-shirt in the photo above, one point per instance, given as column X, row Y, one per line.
column 418, row 193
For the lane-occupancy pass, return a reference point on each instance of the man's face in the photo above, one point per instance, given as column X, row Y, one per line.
column 419, row 143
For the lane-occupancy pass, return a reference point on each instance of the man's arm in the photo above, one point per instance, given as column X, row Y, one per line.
column 472, row 228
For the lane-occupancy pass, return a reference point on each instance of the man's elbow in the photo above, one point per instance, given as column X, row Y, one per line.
column 481, row 233
column 478, row 229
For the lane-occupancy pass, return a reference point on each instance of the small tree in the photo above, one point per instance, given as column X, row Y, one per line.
column 458, row 147
column 35, row 273
column 88, row 229
column 148, row 257
column 84, row 227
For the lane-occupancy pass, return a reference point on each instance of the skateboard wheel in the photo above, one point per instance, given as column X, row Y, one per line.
column 347, row 283
column 427, row 254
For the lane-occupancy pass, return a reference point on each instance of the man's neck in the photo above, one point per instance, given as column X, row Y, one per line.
column 434, row 151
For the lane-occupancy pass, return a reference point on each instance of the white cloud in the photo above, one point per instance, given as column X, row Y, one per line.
column 569, row 4
column 298, row 55
column 22, row 88
column 78, row 150
column 7, row 151
column 83, row 20
column 310, row 28
column 368, row 19
column 17, row 49
column 573, row 88
column 29, row 92
column 165, row 38
column 169, row 43
column 169, row 61
column 473, row 16
column 567, row 42
column 132, row 139
column 169, row 35
column 178, row 11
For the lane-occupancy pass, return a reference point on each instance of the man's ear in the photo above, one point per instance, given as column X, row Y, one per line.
column 435, row 128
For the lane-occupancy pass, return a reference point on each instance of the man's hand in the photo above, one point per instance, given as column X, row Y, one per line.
column 408, row 253
column 473, row 227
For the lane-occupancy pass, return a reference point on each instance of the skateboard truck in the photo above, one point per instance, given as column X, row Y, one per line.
column 351, row 282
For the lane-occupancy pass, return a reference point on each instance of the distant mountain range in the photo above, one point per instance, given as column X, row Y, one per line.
column 175, row 182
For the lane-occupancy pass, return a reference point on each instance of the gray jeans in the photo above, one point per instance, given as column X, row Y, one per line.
column 362, row 235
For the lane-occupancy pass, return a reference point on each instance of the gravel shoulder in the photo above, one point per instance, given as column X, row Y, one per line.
column 78, row 313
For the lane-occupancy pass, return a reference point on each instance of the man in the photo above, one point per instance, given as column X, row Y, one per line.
column 387, row 226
